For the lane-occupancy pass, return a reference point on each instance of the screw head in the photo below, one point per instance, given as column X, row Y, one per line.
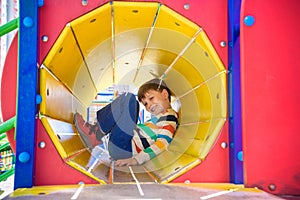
column 224, row 145
column 42, row 144
column 272, row 187
column 186, row 6
column 187, row 181
column 84, row 2
column 223, row 43
column 45, row 38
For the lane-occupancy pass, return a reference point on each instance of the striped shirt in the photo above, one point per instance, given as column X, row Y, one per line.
column 154, row 136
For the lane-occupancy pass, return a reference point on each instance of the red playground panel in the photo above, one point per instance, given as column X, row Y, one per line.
column 271, row 95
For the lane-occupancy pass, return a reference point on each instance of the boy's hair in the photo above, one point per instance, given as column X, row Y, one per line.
column 154, row 84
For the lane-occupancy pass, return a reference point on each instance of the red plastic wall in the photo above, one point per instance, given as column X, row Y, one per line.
column 270, row 68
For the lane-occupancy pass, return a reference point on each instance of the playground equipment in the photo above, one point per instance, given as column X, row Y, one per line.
column 97, row 44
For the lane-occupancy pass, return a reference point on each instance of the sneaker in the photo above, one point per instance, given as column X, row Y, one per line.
column 89, row 133
column 102, row 155
column 99, row 156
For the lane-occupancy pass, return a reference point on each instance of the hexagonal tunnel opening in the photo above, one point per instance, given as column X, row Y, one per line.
column 125, row 44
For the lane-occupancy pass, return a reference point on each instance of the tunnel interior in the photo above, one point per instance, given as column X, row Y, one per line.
column 128, row 43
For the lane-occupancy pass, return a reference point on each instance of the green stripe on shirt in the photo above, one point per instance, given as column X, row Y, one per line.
column 150, row 152
column 148, row 131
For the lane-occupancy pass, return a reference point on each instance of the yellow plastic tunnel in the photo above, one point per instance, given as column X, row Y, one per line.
column 128, row 43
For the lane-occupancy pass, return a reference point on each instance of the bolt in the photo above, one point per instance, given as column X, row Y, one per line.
column 224, row 145
column 84, row 2
column 42, row 144
column 187, row 181
column 186, row 6
column 45, row 38
column 223, row 43
column 272, row 187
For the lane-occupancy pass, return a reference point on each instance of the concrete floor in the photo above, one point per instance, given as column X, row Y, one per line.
column 143, row 191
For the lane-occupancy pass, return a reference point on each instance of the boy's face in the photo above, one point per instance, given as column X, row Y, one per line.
column 155, row 101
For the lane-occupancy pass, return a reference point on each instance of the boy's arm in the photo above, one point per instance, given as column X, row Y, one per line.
column 164, row 137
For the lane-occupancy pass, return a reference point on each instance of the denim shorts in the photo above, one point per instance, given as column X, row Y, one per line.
column 119, row 119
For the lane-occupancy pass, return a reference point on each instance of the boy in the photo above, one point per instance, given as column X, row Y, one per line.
column 131, row 143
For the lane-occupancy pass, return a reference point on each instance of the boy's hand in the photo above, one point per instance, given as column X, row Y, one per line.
column 126, row 162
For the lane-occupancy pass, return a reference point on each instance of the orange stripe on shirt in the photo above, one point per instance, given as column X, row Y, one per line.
column 169, row 128
column 160, row 144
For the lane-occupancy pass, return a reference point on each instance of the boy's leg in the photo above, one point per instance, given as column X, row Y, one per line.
column 123, row 109
column 108, row 115
column 119, row 144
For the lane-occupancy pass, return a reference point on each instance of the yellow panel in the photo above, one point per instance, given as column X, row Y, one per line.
column 68, row 137
column 169, row 19
column 64, row 136
column 172, row 31
column 168, row 40
column 156, row 63
column 190, row 108
column 129, row 42
column 57, row 101
column 101, row 172
column 218, row 95
column 133, row 15
column 190, row 139
column 93, row 28
column 195, row 130
column 201, row 59
column 84, row 88
column 126, row 67
column 191, row 72
column 184, row 164
column 79, row 168
column 208, row 47
column 45, row 190
column 66, row 62
column 186, row 146
column 131, row 33
column 83, row 161
column 162, row 160
column 169, row 165
column 63, row 57
column 93, row 34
